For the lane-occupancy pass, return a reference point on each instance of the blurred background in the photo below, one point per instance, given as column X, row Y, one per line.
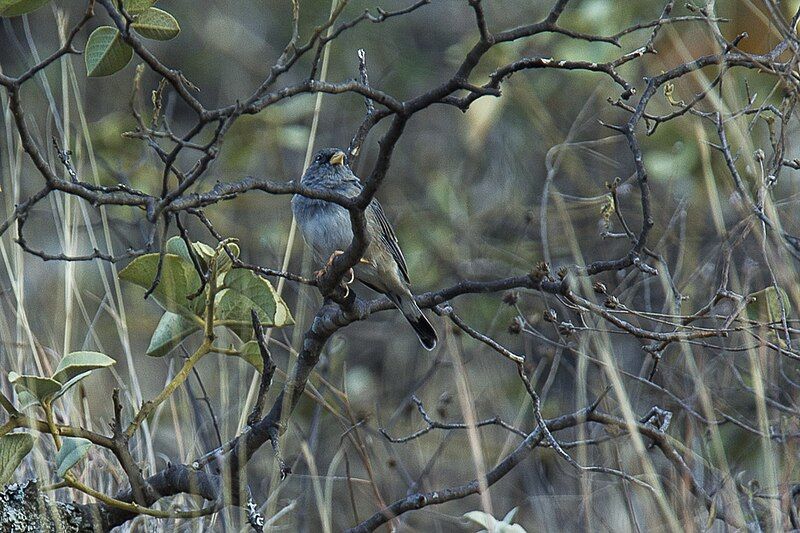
column 477, row 195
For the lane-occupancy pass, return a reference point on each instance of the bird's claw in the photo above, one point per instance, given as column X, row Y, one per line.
column 333, row 256
column 346, row 283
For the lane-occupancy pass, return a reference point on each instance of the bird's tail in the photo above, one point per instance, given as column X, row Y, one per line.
column 412, row 312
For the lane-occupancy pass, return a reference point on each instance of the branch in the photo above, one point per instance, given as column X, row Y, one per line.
column 420, row 500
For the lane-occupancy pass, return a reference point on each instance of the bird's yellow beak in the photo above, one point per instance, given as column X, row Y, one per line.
column 337, row 158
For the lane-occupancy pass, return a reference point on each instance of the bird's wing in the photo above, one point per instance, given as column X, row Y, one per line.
column 389, row 238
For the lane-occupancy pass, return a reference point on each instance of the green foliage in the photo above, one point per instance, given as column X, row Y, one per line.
column 25, row 399
column 13, row 449
column 170, row 332
column 106, row 53
column 156, row 24
column 134, row 7
column 224, row 262
column 238, row 292
column 244, row 291
column 251, row 353
column 73, row 449
column 77, row 364
column 43, row 389
column 179, row 280
column 13, row 8
column 71, row 369
column 203, row 252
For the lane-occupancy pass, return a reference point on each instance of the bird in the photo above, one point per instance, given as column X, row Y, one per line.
column 327, row 230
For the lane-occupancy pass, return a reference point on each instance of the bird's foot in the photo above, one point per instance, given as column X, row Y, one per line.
column 345, row 282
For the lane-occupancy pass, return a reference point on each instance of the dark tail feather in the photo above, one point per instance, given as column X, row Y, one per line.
column 424, row 330
column 412, row 312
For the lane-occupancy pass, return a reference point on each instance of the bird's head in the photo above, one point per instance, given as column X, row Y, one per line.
column 328, row 167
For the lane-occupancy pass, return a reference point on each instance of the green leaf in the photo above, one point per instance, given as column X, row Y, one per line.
column 251, row 353
column 283, row 317
column 176, row 246
column 41, row 388
column 66, row 386
column 134, row 7
column 178, row 280
column 234, row 307
column 76, row 366
column 202, row 251
column 271, row 308
column 13, row 449
column 73, row 449
column 13, row 8
column 106, row 53
column 78, row 363
column 224, row 262
column 170, row 332
column 156, row 24
column 25, row 400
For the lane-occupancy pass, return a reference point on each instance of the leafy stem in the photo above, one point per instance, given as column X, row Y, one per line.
column 51, row 423
column 183, row 373
column 176, row 382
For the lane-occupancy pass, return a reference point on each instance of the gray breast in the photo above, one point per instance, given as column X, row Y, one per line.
column 325, row 226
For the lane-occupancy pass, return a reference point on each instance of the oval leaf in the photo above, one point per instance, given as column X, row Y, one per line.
column 203, row 252
column 66, row 386
column 170, row 332
column 156, row 24
column 134, row 7
column 271, row 308
column 251, row 353
column 13, row 8
column 178, row 281
column 25, row 400
column 176, row 246
column 234, row 308
column 73, row 449
column 105, row 52
column 41, row 388
column 13, row 449
column 224, row 262
column 283, row 317
column 78, row 363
